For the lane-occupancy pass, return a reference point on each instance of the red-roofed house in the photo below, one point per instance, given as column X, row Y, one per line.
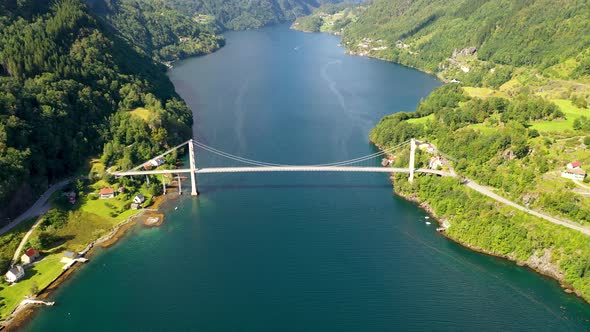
column 106, row 193
column 574, row 164
column 29, row 256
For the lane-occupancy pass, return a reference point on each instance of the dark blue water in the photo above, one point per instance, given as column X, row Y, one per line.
column 299, row 252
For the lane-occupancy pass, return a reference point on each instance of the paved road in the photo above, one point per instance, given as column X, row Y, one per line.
column 566, row 223
column 39, row 208
column 581, row 184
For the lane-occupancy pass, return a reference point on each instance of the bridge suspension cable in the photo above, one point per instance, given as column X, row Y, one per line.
column 266, row 164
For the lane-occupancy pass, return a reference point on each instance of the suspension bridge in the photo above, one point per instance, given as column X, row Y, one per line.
column 364, row 164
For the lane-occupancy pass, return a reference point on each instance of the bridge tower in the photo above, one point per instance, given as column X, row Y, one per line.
column 191, row 156
column 412, row 154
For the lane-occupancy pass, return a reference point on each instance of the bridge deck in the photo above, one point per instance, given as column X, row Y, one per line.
column 212, row 170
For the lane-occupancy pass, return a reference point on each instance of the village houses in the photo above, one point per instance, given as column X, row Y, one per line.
column 15, row 273
column 574, row 171
column 435, row 162
column 29, row 256
column 106, row 193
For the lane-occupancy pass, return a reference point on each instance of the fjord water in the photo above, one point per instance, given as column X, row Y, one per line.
column 299, row 252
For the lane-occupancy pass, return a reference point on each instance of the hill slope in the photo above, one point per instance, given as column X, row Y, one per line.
column 66, row 84
column 238, row 15
column 157, row 28
column 425, row 33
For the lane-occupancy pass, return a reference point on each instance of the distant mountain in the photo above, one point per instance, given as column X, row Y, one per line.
column 239, row 14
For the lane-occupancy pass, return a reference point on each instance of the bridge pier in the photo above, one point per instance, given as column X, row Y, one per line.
column 179, row 184
column 193, row 168
column 412, row 155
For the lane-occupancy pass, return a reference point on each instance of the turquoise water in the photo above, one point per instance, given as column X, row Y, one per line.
column 299, row 252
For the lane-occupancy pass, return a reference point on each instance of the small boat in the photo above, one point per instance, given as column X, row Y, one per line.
column 427, row 217
column 428, row 223
column 176, row 208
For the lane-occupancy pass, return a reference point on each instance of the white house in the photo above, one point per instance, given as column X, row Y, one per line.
column 139, row 199
column 435, row 162
column 106, row 193
column 428, row 147
column 68, row 257
column 29, row 256
column 574, row 174
column 15, row 273
column 157, row 162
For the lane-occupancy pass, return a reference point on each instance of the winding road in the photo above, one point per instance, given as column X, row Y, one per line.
column 488, row 192
column 40, row 207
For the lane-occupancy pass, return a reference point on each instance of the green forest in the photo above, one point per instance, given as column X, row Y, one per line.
column 158, row 29
column 535, row 33
column 495, row 142
column 481, row 43
column 241, row 15
column 67, row 82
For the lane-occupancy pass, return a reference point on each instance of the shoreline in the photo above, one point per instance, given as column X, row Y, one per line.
column 425, row 206
column 22, row 315
column 350, row 52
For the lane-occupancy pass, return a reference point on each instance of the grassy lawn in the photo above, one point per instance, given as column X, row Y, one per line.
column 142, row 113
column 83, row 228
column 422, row 120
column 484, row 92
column 91, row 219
column 571, row 113
column 40, row 274
column 104, row 207
column 482, row 127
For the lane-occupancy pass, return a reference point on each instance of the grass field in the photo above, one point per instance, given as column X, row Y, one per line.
column 484, row 92
column 422, row 120
column 104, row 207
column 571, row 113
column 88, row 220
column 44, row 272
column 482, row 127
column 142, row 113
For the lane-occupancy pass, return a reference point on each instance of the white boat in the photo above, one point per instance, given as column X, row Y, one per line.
column 427, row 217
column 428, row 223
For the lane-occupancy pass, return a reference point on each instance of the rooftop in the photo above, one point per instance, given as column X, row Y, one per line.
column 31, row 252
column 107, row 191
column 69, row 254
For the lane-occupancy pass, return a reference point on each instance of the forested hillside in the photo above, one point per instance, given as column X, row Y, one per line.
column 513, row 115
column 238, row 14
column 157, row 28
column 331, row 18
column 66, row 84
column 425, row 34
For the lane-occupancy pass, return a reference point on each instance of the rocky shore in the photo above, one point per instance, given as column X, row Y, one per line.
column 540, row 263
column 23, row 314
